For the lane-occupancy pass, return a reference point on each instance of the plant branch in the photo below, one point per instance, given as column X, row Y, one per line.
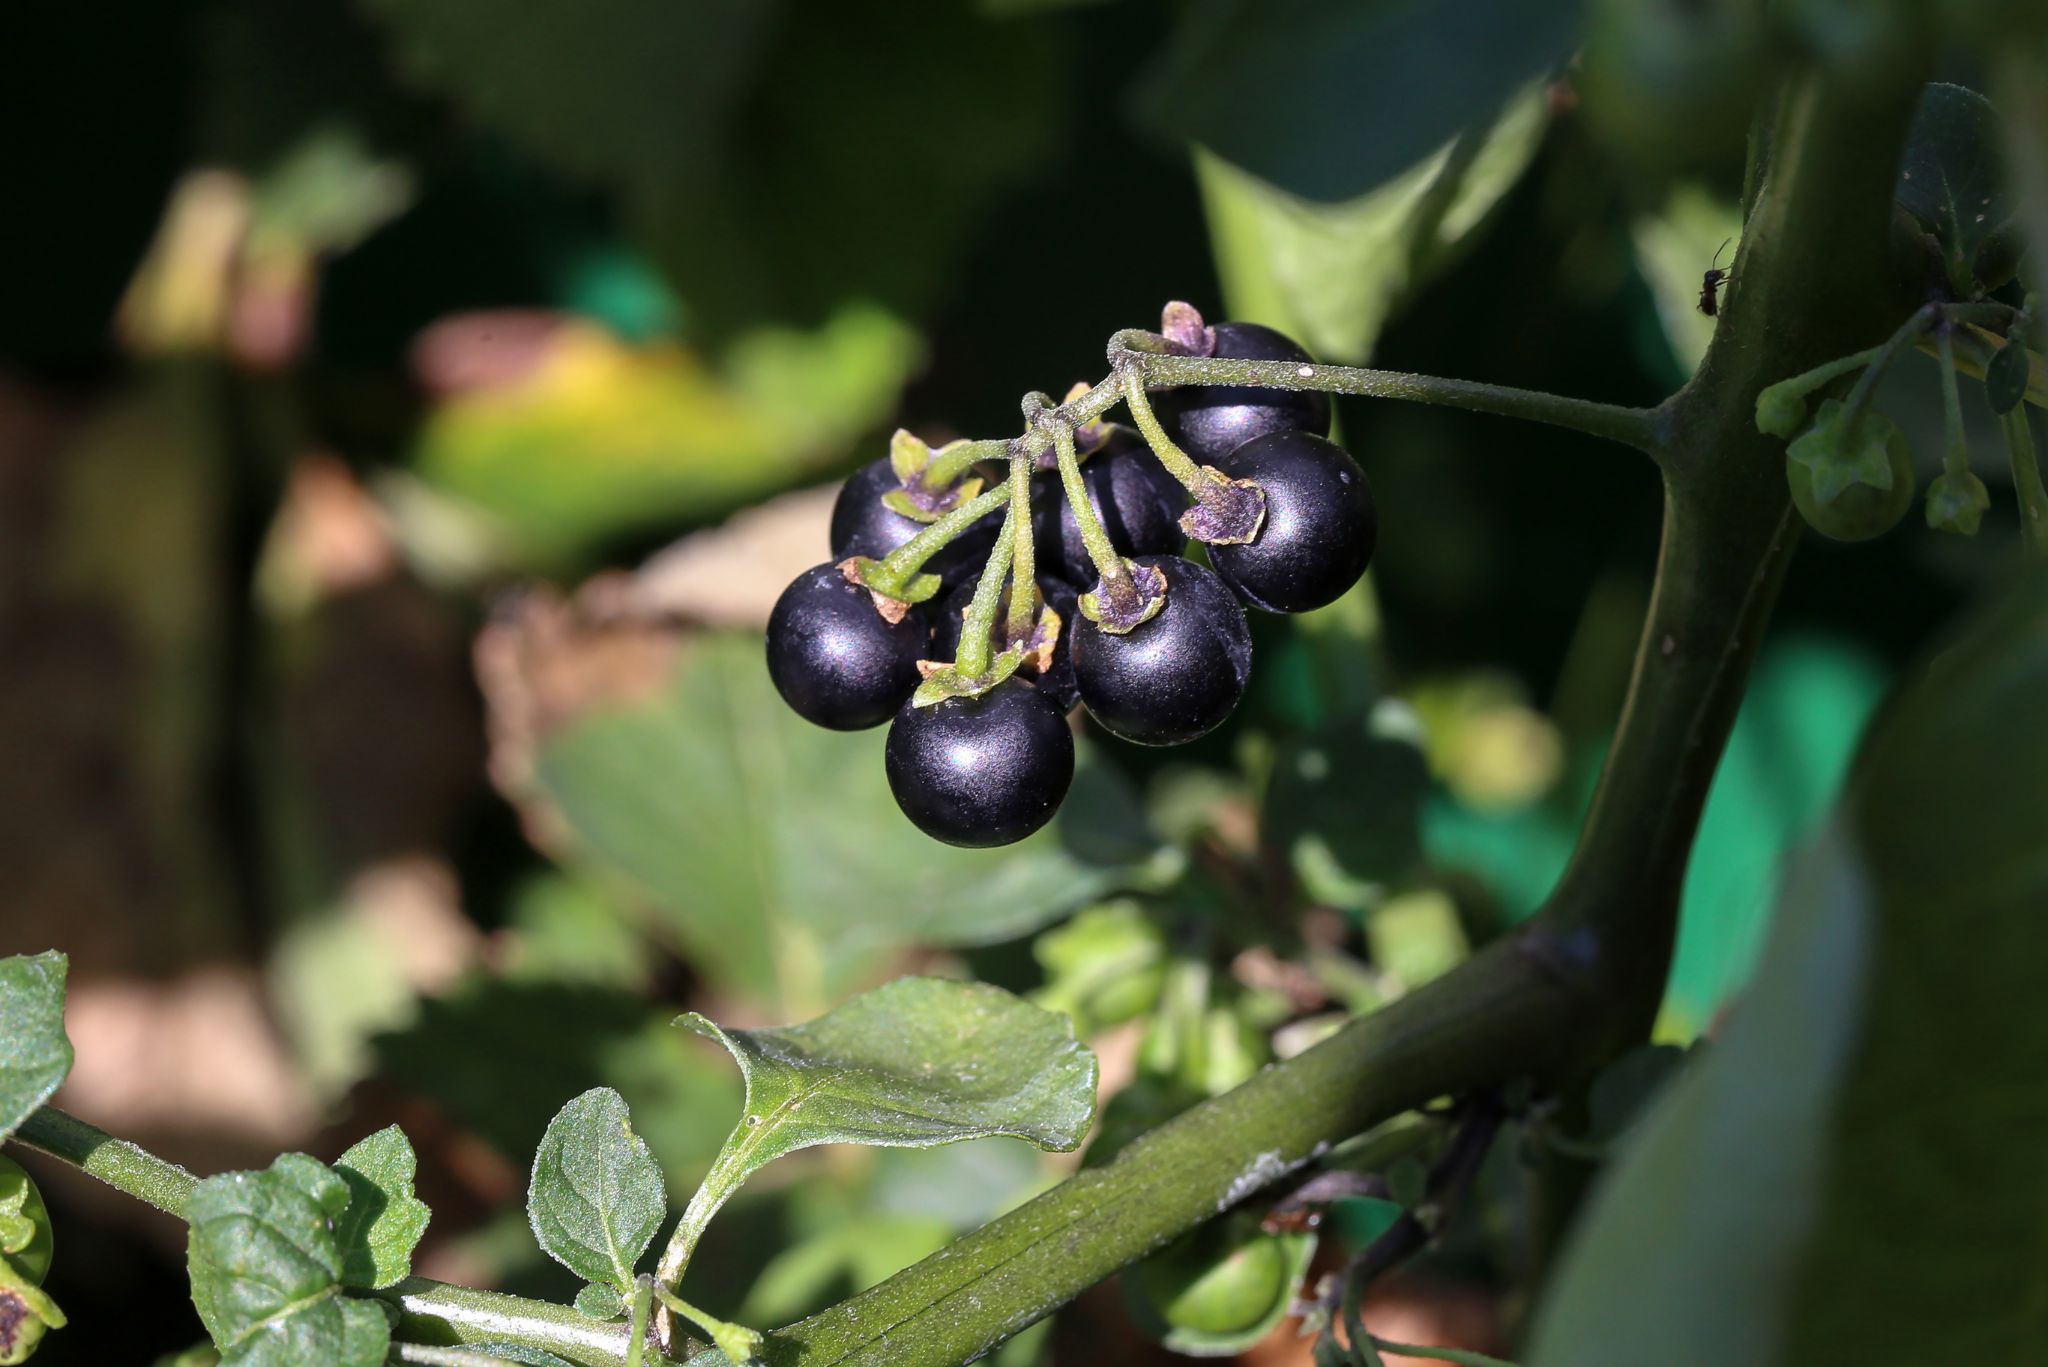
column 126, row 1167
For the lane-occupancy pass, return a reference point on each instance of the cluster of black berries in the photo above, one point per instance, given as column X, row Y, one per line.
column 993, row 767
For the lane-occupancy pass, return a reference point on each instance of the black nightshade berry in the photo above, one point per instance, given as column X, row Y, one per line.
column 1209, row 421
column 1138, row 500
column 1175, row 677
column 981, row 771
column 834, row 659
column 1320, row 524
column 863, row 525
column 1059, row 596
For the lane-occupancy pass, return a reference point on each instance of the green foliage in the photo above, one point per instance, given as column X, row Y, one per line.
column 596, row 1198
column 1950, row 178
column 383, row 1222
column 773, row 850
column 35, row 1055
column 1670, row 84
column 1781, row 1204
column 267, row 1270
column 1332, row 275
column 2007, row 376
column 1343, row 803
column 1284, row 92
column 918, row 1062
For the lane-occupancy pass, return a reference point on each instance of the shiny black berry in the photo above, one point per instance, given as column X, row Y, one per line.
column 1175, row 677
column 834, row 659
column 1209, row 421
column 981, row 771
column 1320, row 523
column 1059, row 596
column 1139, row 503
column 863, row 525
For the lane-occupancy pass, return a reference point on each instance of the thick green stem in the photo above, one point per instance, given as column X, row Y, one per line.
column 1630, row 426
column 121, row 1165
column 1023, row 617
column 439, row 1315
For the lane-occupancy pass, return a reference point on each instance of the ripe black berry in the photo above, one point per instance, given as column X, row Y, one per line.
column 1059, row 596
column 834, row 659
column 863, row 525
column 1138, row 500
column 981, row 771
column 1209, row 421
column 1320, row 523
column 1176, row 676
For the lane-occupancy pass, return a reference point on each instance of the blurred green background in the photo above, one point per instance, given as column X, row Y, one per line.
column 381, row 388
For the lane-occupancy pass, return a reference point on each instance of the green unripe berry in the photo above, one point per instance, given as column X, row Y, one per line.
column 24, row 1223
column 1220, row 1289
column 1957, row 503
column 1850, row 482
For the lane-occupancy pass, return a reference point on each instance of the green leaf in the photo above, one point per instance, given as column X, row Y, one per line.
column 384, row 1220
column 600, row 1301
column 1688, row 1249
column 1344, row 804
column 266, row 1271
column 1950, row 178
column 1332, row 275
column 773, row 850
column 1326, row 99
column 2007, row 375
column 34, row 1053
column 1847, row 1175
column 1927, row 1244
column 596, row 1197
column 918, row 1062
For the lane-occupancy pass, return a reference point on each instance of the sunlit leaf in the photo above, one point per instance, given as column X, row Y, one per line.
column 266, row 1271
column 918, row 1062
column 597, row 1197
column 383, row 1221
column 34, row 1052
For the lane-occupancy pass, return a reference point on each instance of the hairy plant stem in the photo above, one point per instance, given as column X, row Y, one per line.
column 901, row 565
column 1177, row 462
column 121, row 1165
column 1023, row 614
column 1113, row 581
column 973, row 658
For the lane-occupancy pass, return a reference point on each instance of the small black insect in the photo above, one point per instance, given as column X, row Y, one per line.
column 1711, row 282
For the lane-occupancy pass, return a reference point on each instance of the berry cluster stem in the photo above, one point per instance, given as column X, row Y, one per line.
column 1177, row 462
column 1955, row 452
column 1023, row 555
column 950, row 462
column 1115, row 582
column 902, row 564
column 1923, row 318
column 973, row 658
